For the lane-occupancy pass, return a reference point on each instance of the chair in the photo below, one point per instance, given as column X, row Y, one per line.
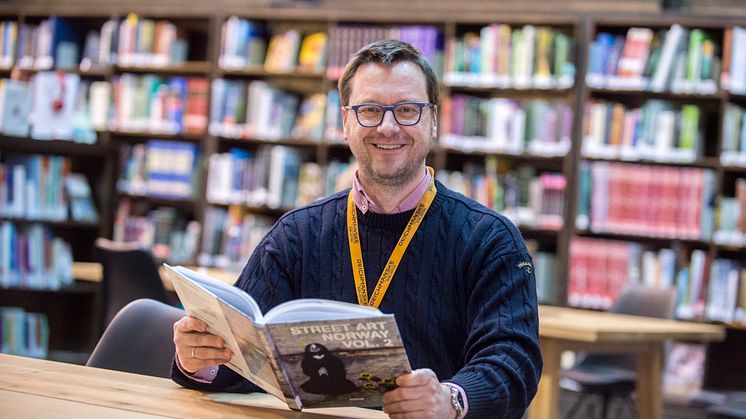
column 614, row 376
column 139, row 339
column 129, row 273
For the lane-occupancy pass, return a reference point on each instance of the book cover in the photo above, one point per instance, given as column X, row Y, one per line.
column 308, row 352
column 15, row 105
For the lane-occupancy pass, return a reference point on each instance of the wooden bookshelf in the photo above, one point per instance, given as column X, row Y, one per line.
column 202, row 28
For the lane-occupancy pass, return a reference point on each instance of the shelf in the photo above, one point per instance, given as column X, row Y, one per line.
column 94, row 72
column 261, row 72
column 512, row 92
column 262, row 210
column 282, row 141
column 139, row 135
column 524, row 157
column 646, row 94
column 704, row 162
column 58, row 147
column 657, row 241
column 197, row 68
column 71, row 225
column 183, row 204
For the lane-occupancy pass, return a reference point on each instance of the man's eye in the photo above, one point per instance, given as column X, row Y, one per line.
column 406, row 109
column 368, row 110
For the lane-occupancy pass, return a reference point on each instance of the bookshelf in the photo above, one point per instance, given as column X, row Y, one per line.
column 550, row 118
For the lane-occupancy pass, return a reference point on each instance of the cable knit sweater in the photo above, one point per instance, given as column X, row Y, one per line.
column 463, row 296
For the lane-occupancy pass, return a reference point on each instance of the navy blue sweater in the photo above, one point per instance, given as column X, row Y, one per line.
column 464, row 295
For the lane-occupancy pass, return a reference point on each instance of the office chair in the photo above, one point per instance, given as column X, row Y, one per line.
column 139, row 339
column 614, row 376
column 129, row 273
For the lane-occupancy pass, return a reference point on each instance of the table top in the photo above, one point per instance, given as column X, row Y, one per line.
column 34, row 388
column 592, row 326
column 93, row 272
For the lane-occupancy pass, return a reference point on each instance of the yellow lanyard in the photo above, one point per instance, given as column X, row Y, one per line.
column 356, row 253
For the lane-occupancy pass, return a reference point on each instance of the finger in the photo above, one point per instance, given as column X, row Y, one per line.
column 190, row 324
column 209, row 354
column 419, row 377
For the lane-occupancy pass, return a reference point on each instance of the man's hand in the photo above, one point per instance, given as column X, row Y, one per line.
column 196, row 348
column 420, row 395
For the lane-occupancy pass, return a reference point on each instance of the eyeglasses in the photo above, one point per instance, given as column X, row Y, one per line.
column 371, row 115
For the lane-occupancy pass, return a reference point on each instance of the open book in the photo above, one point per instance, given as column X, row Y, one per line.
column 308, row 352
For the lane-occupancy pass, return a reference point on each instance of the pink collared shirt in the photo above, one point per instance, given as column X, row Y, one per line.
column 364, row 203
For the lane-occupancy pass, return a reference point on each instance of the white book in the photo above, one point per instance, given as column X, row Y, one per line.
column 738, row 61
column 666, row 61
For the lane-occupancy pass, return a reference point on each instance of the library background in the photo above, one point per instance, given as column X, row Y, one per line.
column 613, row 133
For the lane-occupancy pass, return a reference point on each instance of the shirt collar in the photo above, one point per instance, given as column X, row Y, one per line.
column 364, row 203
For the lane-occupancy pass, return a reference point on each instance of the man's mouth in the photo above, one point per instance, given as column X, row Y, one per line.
column 389, row 146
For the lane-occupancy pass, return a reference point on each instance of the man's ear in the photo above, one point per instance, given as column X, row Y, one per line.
column 435, row 121
column 344, row 121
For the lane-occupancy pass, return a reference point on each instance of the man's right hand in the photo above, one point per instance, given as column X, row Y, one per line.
column 196, row 347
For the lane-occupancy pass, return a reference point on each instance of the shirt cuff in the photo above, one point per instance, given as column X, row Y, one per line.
column 204, row 375
column 463, row 397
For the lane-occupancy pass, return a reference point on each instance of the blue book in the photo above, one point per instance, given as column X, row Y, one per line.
column 16, row 106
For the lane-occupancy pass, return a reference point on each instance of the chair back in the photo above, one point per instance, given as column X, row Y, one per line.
column 641, row 300
column 637, row 300
column 139, row 339
column 129, row 273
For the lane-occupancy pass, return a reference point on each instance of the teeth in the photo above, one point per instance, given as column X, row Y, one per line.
column 388, row 146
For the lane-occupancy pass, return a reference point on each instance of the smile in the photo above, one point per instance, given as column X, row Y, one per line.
column 389, row 146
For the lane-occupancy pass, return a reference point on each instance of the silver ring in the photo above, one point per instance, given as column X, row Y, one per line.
column 193, row 348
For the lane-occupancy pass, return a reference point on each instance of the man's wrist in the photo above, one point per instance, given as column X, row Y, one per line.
column 456, row 400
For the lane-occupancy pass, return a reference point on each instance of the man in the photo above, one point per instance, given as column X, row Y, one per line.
column 463, row 291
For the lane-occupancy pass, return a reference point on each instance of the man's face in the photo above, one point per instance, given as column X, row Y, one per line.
column 389, row 154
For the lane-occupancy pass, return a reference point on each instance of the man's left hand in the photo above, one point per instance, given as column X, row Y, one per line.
column 419, row 395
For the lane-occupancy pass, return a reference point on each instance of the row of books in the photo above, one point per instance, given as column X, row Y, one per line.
column 8, row 39
column 731, row 217
column 526, row 197
column 246, row 43
column 726, row 292
column 599, row 269
column 31, row 257
column 278, row 177
column 160, row 168
column 54, row 106
column 67, row 43
column 734, row 136
column 230, row 236
column 23, row 333
column 170, row 234
column 346, row 40
column 644, row 200
column 658, row 130
column 32, row 187
column 150, row 103
column 501, row 125
column 257, row 109
column 678, row 59
column 502, row 56
column 734, row 60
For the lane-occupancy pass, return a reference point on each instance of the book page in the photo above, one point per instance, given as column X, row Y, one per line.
column 241, row 335
column 236, row 297
column 318, row 309
column 343, row 362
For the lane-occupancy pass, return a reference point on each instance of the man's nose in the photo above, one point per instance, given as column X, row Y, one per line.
column 388, row 124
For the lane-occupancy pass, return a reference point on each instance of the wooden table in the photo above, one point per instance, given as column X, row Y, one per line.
column 564, row 329
column 93, row 272
column 33, row 388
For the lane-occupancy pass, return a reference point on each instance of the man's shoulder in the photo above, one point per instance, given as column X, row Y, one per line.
column 490, row 222
column 337, row 199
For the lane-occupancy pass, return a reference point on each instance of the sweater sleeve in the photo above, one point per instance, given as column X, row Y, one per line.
column 266, row 281
column 502, row 354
